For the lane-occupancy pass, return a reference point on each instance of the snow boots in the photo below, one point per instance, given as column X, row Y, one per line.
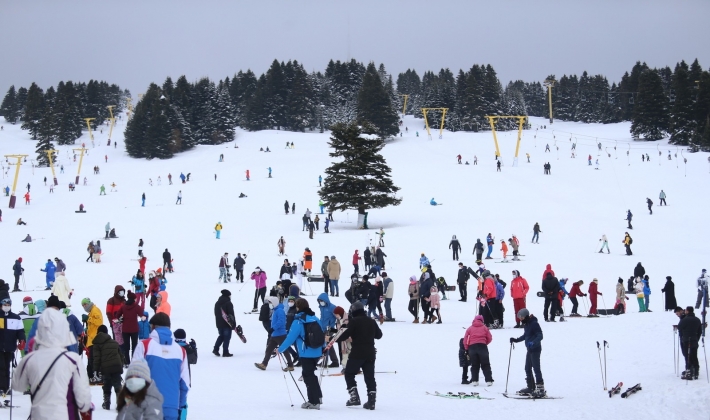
column 539, row 391
column 260, row 366
column 308, row 406
column 354, row 397
column 529, row 389
column 371, row 399
column 107, row 402
column 416, row 321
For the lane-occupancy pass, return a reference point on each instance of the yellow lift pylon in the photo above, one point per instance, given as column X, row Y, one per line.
column 129, row 108
column 81, row 159
column 50, row 155
column 113, row 121
column 404, row 108
column 19, row 158
column 88, row 124
column 493, row 119
column 443, row 118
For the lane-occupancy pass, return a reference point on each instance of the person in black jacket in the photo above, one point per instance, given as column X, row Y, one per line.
column 167, row 261
column 363, row 331
column 362, row 293
column 532, row 335
column 464, row 274
column 639, row 272
column 690, row 329
column 17, row 271
column 108, row 359
column 239, row 267
column 669, row 293
column 478, row 249
column 367, row 258
column 11, row 335
column 224, row 329
column 551, row 288
column 455, row 246
column 424, row 294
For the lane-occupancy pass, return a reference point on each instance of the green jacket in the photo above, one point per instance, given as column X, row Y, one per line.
column 107, row 355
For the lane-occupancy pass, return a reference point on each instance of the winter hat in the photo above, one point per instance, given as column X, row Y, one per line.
column 523, row 313
column 41, row 305
column 179, row 334
column 357, row 306
column 486, row 273
column 667, row 278
column 339, row 311
column 384, row 274
column 54, row 302
column 257, row 269
column 595, row 281
column 19, row 259
column 130, row 295
column 26, row 300
column 85, row 301
column 226, row 292
column 138, row 369
column 103, row 329
column 412, row 279
column 293, row 298
column 332, row 257
column 160, row 320
column 478, row 318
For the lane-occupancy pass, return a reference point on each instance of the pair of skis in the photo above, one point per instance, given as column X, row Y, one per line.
column 460, row 395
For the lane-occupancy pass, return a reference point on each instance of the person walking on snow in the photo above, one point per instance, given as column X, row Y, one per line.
column 662, row 198
column 278, row 331
column 286, row 206
column 532, row 336
column 629, row 216
column 650, row 204
column 515, row 244
column 518, row 291
column 475, row 342
column 478, row 249
column 218, row 229
column 627, row 243
column 605, row 244
column 223, row 266
column 17, row 271
column 414, row 298
column 593, row 297
column 179, row 197
column 638, row 289
column 702, row 290
column 455, row 246
column 224, row 329
column 489, row 242
column 281, row 243
column 536, row 232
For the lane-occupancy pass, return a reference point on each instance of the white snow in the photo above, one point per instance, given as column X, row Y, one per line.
column 574, row 206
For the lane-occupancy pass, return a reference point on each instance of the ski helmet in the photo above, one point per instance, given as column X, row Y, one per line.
column 523, row 313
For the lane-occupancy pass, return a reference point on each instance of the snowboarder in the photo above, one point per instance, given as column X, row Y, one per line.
column 702, row 290
column 533, row 337
column 593, row 297
column 627, row 243
column 536, row 233
column 475, row 342
column 662, row 198
column 224, row 329
column 218, row 229
column 669, row 290
column 605, row 244
column 281, row 243
column 455, row 246
column 629, row 216
column 650, row 204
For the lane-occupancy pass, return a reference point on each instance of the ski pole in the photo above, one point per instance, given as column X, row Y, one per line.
column 510, row 354
column 286, row 381
column 599, row 353
column 584, row 301
column 294, row 381
column 675, row 352
column 706, row 361
column 606, row 344
column 605, row 308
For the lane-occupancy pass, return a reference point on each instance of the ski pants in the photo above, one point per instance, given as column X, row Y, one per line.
column 6, row 358
column 518, row 304
column 259, row 293
column 532, row 364
column 308, row 369
column 17, row 282
column 647, row 302
column 605, row 244
column 153, row 301
column 333, row 356
column 699, row 300
column 490, row 249
column 620, row 306
column 426, row 308
column 218, row 233
column 642, row 305
column 575, row 303
column 663, row 202
column 478, row 354
column 90, row 361
column 357, row 269
column 272, row 344
column 487, row 312
column 225, row 335
column 130, row 341
column 240, row 275
column 326, row 283
column 456, row 254
column 593, row 306
column 536, row 236
column 388, row 308
column 334, row 289
column 692, row 363
column 143, row 202
column 112, row 380
column 223, row 273
column 649, row 210
column 463, row 291
column 551, row 301
column 368, row 371
column 140, row 300
column 628, row 250
column 413, row 308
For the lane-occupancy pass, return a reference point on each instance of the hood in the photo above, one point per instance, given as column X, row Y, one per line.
column 53, row 330
column 453, row 238
column 118, row 289
column 145, row 314
column 477, row 321
column 274, row 301
column 163, row 295
column 324, row 298
column 163, row 335
column 50, row 265
column 549, row 266
column 412, row 279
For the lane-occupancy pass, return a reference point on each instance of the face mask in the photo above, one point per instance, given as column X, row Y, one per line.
column 143, row 318
column 135, row 384
column 322, row 304
column 290, row 304
column 271, row 305
column 6, row 308
column 121, row 293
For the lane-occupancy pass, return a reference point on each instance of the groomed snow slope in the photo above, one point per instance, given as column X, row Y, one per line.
column 574, row 206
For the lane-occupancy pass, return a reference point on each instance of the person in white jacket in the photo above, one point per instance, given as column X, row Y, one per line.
column 61, row 289
column 64, row 387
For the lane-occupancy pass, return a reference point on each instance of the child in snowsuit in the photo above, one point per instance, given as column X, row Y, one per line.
column 593, row 297
column 464, row 363
column 638, row 288
column 434, row 305
column 476, row 341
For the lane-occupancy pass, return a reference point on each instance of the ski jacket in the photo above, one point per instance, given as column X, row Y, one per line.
column 548, row 269
column 130, row 313
column 536, row 228
column 532, row 334
column 477, row 333
column 639, row 271
column 164, row 306
column 285, row 269
column 239, row 263
column 50, row 269
column 144, row 327
column 356, row 258
column 423, row 261
column 575, row 290
column 380, row 256
column 65, row 391
column 489, row 288
column 690, row 329
column 139, row 284
column 478, row 247
column 334, row 269
column 327, row 317
column 362, row 291
column 308, row 260
column 95, row 318
column 166, row 257
column 17, row 268
column 463, row 355
column 324, row 268
column 563, row 290
column 259, row 279
column 646, row 287
column 703, row 282
column 151, row 408
column 367, row 256
column 627, row 240
column 550, row 286
column 115, row 303
column 638, row 288
column 107, row 355
column 223, row 303
column 519, row 288
column 297, row 333
column 629, row 216
column 455, row 244
column 61, row 289
column 515, row 244
column 662, row 195
column 504, row 247
column 425, row 288
column 223, row 263
column 489, row 240
column 74, row 326
column 12, row 330
column 278, row 321
column 61, row 266
column 593, row 290
column 363, row 331
column 620, row 292
column 154, row 286
column 168, row 368
column 413, row 290
column 388, row 285
column 218, row 227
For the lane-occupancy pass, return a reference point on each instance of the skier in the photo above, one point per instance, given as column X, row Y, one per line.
column 17, row 271
column 247, row 175
column 423, row 261
column 277, row 326
column 573, row 293
column 50, row 269
column 179, row 197
column 504, row 249
column 478, row 249
column 363, row 331
column 381, row 234
column 627, row 243
column 498, row 166
column 308, row 356
column 308, row 258
column 459, row 159
column 518, row 291
column 327, row 323
column 413, row 291
column 455, row 246
column 27, row 197
column 305, row 221
column 293, row 208
column 650, row 204
column 536, row 232
column 550, row 288
column 488, row 302
column 320, row 181
column 475, row 342
column 223, row 265
column 702, row 290
column 326, row 228
column 662, row 198
column 593, row 297
column 547, row 148
column 629, row 216
column 281, row 243
column 102, row 190
column 286, row 206
column 690, row 329
column 311, row 228
column 605, row 244
column 218, row 229
column 489, row 243
column 259, row 278
column 533, row 337
column 239, row 267
column 515, row 244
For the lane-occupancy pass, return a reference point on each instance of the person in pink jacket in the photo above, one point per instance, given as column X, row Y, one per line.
column 518, row 291
column 475, row 342
column 434, row 304
column 259, row 278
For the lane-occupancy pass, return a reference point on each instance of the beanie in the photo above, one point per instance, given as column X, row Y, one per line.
column 27, row 300
column 138, row 369
column 357, row 306
column 130, row 295
column 19, row 259
column 41, row 305
column 523, row 313
column 103, row 329
column 160, row 320
column 54, row 302
column 85, row 301
column 179, row 334
column 226, row 292
column 339, row 311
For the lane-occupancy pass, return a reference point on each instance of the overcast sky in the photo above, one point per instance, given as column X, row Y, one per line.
column 133, row 43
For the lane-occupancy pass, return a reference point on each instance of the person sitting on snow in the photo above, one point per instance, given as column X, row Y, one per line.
column 432, row 202
column 28, row 238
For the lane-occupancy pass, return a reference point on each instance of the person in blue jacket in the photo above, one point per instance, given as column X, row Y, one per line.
column 144, row 327
column 278, row 331
column 532, row 335
column 328, row 322
column 432, row 202
column 308, row 355
column 489, row 242
column 423, row 261
column 646, row 290
column 629, row 216
column 50, row 269
column 74, row 324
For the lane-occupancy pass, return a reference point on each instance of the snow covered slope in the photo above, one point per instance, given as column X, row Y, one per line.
column 574, row 206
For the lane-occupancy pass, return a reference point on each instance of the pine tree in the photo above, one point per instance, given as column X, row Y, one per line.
column 9, row 108
column 68, row 117
column 682, row 118
column 149, row 133
column 651, row 111
column 20, row 100
column 374, row 106
column 44, row 145
column 702, row 111
column 361, row 180
column 34, row 108
column 204, row 112
column 299, row 102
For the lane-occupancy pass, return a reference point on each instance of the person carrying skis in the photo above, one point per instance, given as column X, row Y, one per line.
column 489, row 243
column 455, row 246
column 593, row 297
column 478, row 249
column 629, row 216
column 573, row 293
column 605, row 244
column 298, row 334
column 627, row 243
column 690, row 329
column 413, row 291
column 702, row 289
column 650, row 204
column 259, row 278
column 475, row 342
column 363, row 331
column 281, row 243
column 532, row 336
column 662, row 198
column 536, row 232
column 518, row 291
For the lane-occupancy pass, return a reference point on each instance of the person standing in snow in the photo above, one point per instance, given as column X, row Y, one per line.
column 259, row 278
column 550, row 288
column 532, row 336
column 504, row 250
column 17, row 271
column 690, row 329
column 662, row 198
column 107, row 228
column 239, row 263
column 629, row 216
column 515, row 245
column 414, row 298
column 627, row 243
column 573, row 293
column 518, row 291
column 281, row 243
column 478, row 249
column 702, row 289
column 650, row 204
column 50, row 269
column 489, row 243
column 455, row 246
column 324, row 273
column 646, row 292
column 620, row 304
column 286, row 206
column 224, row 329
column 464, row 274
column 356, row 262
column 179, row 198
column 605, row 244
column 278, row 331
column 536, row 233
column 380, row 257
column 475, row 342
column 423, row 261
column 334, row 276
column 143, row 200
column 434, row 305
column 367, row 258
column 593, row 297
column 223, row 265
column 218, row 229
column 638, row 288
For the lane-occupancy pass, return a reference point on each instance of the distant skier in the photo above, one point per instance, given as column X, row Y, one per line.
column 532, row 338
column 627, row 243
column 321, row 204
column 143, row 200
column 381, row 234
column 179, row 197
column 293, row 208
column 320, row 181
column 247, row 175
column 589, row 160
column 702, row 290
column 515, row 245
column 650, row 204
column 489, row 243
column 605, row 244
column 433, row 202
column 504, row 250
column 282, row 246
column 629, row 216
column 498, row 166
column 269, row 168
column 102, row 190
column 286, row 206
column 593, row 297
column 662, row 198
column 455, row 246
column 459, row 159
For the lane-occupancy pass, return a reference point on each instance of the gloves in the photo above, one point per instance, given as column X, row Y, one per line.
column 585, row 295
column 600, row 294
column 512, row 340
column 627, row 298
column 21, row 345
column 84, row 317
column 529, row 344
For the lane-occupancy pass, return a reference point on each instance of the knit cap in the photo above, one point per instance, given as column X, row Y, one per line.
column 138, row 369
column 85, row 301
column 26, row 300
column 180, row 334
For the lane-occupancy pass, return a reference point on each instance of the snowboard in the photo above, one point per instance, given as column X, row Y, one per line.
column 237, row 329
column 460, row 395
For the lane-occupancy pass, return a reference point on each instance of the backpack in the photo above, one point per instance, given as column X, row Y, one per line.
column 314, row 335
column 191, row 351
column 631, row 240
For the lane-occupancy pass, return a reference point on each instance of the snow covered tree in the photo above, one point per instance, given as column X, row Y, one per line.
column 68, row 117
column 20, row 100
column 361, row 180
column 682, row 112
column 34, row 108
column 44, row 145
column 300, row 109
column 149, row 133
column 650, row 119
column 9, row 108
column 374, row 106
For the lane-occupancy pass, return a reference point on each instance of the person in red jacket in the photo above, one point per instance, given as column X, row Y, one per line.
column 113, row 305
column 475, row 342
column 518, row 291
column 573, row 293
column 356, row 262
column 593, row 297
column 548, row 269
column 488, row 298
column 141, row 263
column 130, row 312
column 153, row 289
